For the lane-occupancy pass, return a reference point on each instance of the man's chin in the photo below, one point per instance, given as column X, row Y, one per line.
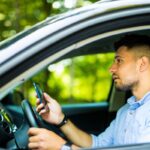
column 122, row 88
column 119, row 89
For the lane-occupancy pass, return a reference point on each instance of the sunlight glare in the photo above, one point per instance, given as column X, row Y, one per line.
column 70, row 3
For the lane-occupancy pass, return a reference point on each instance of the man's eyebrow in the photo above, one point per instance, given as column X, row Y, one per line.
column 117, row 56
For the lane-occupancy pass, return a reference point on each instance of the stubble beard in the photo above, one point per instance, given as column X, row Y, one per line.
column 126, row 86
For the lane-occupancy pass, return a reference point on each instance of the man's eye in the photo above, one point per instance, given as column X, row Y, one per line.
column 118, row 61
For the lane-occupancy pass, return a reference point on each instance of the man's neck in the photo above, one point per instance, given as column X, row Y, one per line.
column 140, row 92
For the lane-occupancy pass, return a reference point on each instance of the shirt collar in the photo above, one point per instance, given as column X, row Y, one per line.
column 136, row 104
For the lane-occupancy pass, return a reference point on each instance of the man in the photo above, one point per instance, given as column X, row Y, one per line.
column 130, row 71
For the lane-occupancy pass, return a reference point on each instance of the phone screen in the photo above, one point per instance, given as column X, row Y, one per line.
column 38, row 92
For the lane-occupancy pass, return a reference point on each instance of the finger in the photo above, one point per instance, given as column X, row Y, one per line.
column 37, row 101
column 33, row 145
column 47, row 97
column 43, row 111
column 40, row 107
column 34, row 131
column 33, row 139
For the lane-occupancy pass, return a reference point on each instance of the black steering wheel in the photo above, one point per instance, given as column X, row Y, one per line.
column 29, row 113
column 32, row 119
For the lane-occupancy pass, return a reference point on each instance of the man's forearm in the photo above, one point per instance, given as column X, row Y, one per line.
column 76, row 136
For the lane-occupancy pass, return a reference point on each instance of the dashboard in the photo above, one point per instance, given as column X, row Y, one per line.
column 7, row 127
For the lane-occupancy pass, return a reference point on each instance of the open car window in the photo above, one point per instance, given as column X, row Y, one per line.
column 81, row 79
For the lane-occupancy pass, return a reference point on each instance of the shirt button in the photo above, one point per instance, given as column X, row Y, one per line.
column 125, row 130
column 131, row 112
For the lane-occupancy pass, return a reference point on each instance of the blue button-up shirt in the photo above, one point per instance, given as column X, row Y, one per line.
column 132, row 125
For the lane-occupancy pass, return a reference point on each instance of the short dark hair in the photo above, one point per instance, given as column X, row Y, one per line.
column 133, row 40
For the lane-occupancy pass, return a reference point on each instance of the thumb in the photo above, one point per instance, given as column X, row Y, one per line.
column 47, row 98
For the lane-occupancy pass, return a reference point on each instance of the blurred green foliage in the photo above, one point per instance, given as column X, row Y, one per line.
column 18, row 15
column 76, row 80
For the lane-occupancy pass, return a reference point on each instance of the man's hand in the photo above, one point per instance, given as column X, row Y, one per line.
column 43, row 139
column 52, row 112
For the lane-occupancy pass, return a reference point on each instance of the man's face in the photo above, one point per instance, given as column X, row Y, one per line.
column 124, row 69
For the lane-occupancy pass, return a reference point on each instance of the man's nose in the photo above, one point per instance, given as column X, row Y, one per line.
column 112, row 68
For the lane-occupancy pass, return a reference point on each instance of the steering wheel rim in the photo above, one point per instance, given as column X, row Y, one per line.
column 29, row 113
column 33, row 119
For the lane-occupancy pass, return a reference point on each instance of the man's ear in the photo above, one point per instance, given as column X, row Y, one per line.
column 143, row 63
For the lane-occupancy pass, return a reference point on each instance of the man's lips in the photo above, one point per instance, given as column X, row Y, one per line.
column 115, row 77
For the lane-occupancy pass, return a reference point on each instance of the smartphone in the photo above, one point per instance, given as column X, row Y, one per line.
column 39, row 92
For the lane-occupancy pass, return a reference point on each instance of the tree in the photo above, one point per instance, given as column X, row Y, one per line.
column 16, row 16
